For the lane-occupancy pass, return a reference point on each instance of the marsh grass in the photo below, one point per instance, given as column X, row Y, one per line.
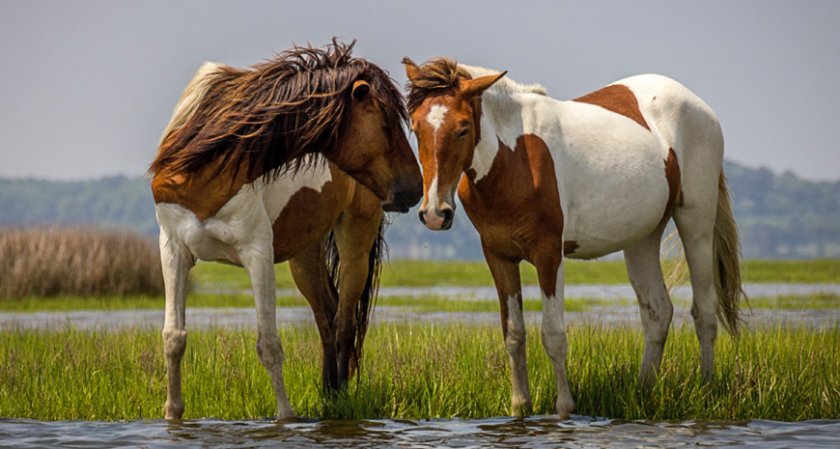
column 55, row 261
column 417, row 304
column 426, row 273
column 419, row 371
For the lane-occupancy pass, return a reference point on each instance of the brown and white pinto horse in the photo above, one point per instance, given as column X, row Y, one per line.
column 233, row 137
column 542, row 179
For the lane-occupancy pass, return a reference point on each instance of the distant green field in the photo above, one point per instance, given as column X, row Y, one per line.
column 419, row 371
column 416, row 273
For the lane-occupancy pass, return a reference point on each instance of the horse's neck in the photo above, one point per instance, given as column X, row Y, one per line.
column 501, row 121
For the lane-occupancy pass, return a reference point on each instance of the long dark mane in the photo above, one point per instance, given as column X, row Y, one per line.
column 436, row 76
column 274, row 112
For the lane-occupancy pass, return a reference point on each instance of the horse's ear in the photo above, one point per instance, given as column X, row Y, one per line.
column 411, row 69
column 361, row 89
column 473, row 87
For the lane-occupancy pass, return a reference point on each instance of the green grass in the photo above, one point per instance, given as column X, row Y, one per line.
column 818, row 301
column 419, row 371
column 424, row 273
column 802, row 271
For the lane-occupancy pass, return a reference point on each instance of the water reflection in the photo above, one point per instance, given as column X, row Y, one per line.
column 535, row 432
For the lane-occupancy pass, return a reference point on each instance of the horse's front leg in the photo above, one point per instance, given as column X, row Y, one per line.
column 309, row 272
column 550, row 273
column 259, row 261
column 355, row 236
column 175, row 263
column 509, row 288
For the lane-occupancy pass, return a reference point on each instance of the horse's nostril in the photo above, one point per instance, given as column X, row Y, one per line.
column 447, row 218
column 421, row 215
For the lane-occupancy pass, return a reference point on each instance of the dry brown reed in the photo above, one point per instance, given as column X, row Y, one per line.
column 77, row 261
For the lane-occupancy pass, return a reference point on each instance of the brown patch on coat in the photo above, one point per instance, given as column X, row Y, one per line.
column 619, row 99
column 203, row 192
column 516, row 207
column 672, row 175
column 309, row 215
column 570, row 246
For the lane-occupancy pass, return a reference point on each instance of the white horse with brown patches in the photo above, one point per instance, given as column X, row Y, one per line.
column 238, row 152
column 543, row 179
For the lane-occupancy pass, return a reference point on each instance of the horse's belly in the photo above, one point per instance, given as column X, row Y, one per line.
column 612, row 197
column 597, row 232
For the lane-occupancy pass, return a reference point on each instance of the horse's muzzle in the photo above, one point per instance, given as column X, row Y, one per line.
column 437, row 220
column 402, row 201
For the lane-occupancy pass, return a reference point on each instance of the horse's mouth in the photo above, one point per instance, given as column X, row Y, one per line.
column 394, row 205
column 401, row 201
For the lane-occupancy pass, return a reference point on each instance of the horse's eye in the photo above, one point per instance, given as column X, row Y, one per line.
column 463, row 133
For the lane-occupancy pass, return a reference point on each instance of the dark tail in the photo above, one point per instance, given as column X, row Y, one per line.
column 378, row 252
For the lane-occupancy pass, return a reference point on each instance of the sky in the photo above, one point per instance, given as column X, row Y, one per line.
column 86, row 87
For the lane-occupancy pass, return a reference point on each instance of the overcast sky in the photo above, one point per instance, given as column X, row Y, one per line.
column 86, row 87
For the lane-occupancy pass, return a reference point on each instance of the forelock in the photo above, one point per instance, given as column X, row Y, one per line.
column 435, row 76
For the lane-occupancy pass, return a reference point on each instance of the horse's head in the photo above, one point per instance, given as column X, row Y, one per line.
column 375, row 151
column 445, row 110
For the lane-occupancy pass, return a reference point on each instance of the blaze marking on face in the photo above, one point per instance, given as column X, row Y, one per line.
column 432, row 201
column 436, row 114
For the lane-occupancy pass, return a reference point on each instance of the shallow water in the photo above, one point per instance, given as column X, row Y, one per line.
column 619, row 313
column 535, row 432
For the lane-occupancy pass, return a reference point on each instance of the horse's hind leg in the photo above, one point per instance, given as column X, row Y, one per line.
column 258, row 259
column 309, row 272
column 655, row 308
column 175, row 263
column 696, row 228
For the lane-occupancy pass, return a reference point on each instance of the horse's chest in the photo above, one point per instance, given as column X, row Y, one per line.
column 516, row 205
column 520, row 231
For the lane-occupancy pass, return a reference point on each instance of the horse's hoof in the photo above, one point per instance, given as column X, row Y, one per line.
column 285, row 414
column 173, row 411
column 564, row 411
column 520, row 408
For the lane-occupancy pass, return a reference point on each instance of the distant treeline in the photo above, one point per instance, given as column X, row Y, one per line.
column 780, row 216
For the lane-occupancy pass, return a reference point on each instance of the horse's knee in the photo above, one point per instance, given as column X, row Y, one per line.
column 270, row 350
column 515, row 339
column 174, row 343
column 554, row 341
column 345, row 336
